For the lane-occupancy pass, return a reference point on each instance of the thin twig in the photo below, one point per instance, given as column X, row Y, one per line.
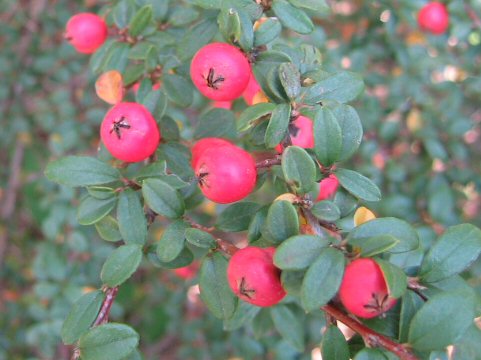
column 267, row 163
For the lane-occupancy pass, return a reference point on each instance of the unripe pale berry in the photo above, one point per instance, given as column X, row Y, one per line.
column 226, row 173
column 204, row 144
column 86, row 32
column 434, row 18
column 328, row 187
column 364, row 291
column 129, row 132
column 220, row 71
column 301, row 131
column 254, row 278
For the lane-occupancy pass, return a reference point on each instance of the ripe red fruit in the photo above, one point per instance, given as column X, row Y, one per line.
column 254, row 278
column 204, row 144
column 220, row 71
column 364, row 291
column 222, row 105
column 434, row 18
column 226, row 173
column 328, row 187
column 86, row 32
column 251, row 90
column 187, row 272
column 129, row 132
column 301, row 131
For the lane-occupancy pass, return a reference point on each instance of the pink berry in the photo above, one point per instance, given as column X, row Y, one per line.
column 204, row 144
column 226, row 173
column 364, row 291
column 222, row 105
column 328, row 187
column 254, row 278
column 301, row 131
column 86, row 32
column 220, row 71
column 129, row 132
column 434, row 18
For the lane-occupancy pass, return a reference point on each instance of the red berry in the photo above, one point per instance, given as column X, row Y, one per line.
column 220, row 71
column 364, row 291
column 187, row 272
column 434, row 18
column 251, row 90
column 130, row 132
column 204, row 144
column 301, row 131
column 86, row 32
column 328, row 187
column 222, row 105
column 226, row 173
column 254, row 278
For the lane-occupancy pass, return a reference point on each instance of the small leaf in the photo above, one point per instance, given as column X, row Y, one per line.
column 81, row 171
column 292, row 17
column 200, row 238
column 178, row 89
column 299, row 169
column 290, row 79
column 323, row 279
column 319, row 6
column 185, row 258
column 454, row 251
column 121, row 264
column 370, row 354
column 326, row 210
column 237, row 217
column 162, row 198
column 342, row 87
column 278, row 124
column 108, row 229
column 334, row 344
column 351, row 130
column 107, row 342
column 267, row 31
column 358, row 185
column 141, row 20
column 374, row 245
column 109, row 87
column 244, row 313
column 250, row 115
column 81, row 316
column 216, row 123
column 298, row 252
column 92, row 210
column 410, row 305
column 281, row 223
column 395, row 277
column 289, row 325
column 131, row 218
column 172, row 241
column 214, row 288
column 327, row 137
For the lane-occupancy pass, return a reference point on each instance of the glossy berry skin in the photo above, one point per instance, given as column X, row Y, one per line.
column 328, row 187
column 253, row 277
column 301, row 131
column 226, row 174
column 363, row 290
column 129, row 132
column 204, row 144
column 434, row 18
column 220, row 71
column 86, row 32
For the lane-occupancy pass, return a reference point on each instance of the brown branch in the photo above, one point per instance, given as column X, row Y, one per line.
column 371, row 337
column 267, row 163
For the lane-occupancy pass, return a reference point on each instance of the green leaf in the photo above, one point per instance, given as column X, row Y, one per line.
column 396, row 279
column 323, row 279
column 319, row 6
column 342, row 87
column 299, row 169
column 250, row 115
column 370, row 354
column 373, row 245
column 122, row 13
column 214, row 288
column 81, row 171
column 292, row 17
column 326, row 210
column 172, row 241
column 254, row 232
column 298, row 252
column 121, row 264
column 177, row 157
column 399, row 229
column 229, row 24
column 208, row 4
column 183, row 259
column 410, row 304
column 351, row 130
column 162, row 198
column 289, row 325
column 200, row 238
column 108, row 342
column 141, row 20
column 198, row 36
column 281, row 223
column 108, row 229
column 178, row 89
column 216, row 123
column 334, row 344
column 358, row 185
column 92, row 210
column 237, row 217
column 131, row 218
column 454, row 251
column 291, row 281
column 290, row 79
column 327, row 137
column 101, row 192
column 268, row 31
column 81, row 316
column 278, row 124
column 441, row 321
column 244, row 313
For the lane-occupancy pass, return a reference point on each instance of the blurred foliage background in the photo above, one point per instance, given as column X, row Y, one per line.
column 421, row 117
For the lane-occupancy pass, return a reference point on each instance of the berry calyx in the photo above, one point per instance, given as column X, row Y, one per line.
column 86, row 32
column 364, row 291
column 328, row 187
column 254, row 278
column 220, row 71
column 225, row 173
column 204, row 144
column 129, row 132
column 301, row 131
column 434, row 18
